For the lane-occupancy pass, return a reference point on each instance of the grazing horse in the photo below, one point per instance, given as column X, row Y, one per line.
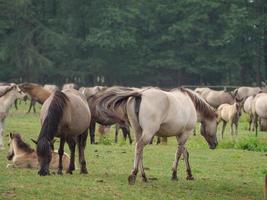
column 23, row 156
column 152, row 111
column 259, row 110
column 36, row 92
column 64, row 114
column 90, row 93
column 216, row 98
column 245, row 92
column 231, row 114
column 8, row 95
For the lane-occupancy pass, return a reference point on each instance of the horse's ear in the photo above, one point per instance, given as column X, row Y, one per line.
column 34, row 141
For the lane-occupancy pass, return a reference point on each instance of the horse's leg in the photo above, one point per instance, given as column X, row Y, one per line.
column 179, row 151
column 223, row 127
column 61, row 153
column 92, row 132
column 72, row 143
column 144, row 140
column 29, row 110
column 116, row 133
column 16, row 104
column 33, row 106
column 187, row 165
column 81, row 145
column 250, row 122
column 256, row 124
column 1, row 135
column 158, row 139
column 236, row 128
column 126, row 132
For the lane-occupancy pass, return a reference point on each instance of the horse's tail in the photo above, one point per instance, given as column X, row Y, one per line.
column 200, row 104
column 263, row 124
column 110, row 99
column 54, row 115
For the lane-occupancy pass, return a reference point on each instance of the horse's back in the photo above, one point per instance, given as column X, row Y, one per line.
column 244, row 92
column 172, row 112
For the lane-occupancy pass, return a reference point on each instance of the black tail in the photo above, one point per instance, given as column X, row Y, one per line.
column 54, row 115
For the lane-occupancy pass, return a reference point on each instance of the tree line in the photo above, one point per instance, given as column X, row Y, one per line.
column 134, row 42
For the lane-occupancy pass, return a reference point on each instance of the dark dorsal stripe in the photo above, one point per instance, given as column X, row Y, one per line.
column 21, row 144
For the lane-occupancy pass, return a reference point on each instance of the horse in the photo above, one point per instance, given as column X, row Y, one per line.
column 70, row 86
column 8, row 96
column 248, row 109
column 89, row 93
column 259, row 110
column 151, row 111
column 230, row 113
column 245, row 92
column 64, row 114
column 36, row 92
column 23, row 156
column 50, row 88
column 216, row 98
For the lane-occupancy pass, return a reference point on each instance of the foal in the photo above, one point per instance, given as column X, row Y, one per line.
column 23, row 156
column 230, row 113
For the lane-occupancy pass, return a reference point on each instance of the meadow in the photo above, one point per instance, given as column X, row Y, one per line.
column 228, row 172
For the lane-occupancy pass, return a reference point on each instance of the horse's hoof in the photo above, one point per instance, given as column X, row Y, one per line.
column 190, row 178
column 144, row 179
column 59, row 172
column 131, row 179
column 84, row 171
column 69, row 172
column 174, row 178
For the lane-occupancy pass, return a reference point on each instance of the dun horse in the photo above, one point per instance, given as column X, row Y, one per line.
column 23, row 156
column 64, row 114
column 231, row 114
column 248, row 109
column 245, row 92
column 8, row 96
column 152, row 112
column 216, row 98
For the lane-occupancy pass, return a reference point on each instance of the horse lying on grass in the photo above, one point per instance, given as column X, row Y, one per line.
column 23, row 156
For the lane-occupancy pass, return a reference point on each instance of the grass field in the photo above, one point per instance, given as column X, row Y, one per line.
column 224, row 173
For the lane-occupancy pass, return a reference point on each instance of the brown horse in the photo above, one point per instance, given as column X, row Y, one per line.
column 90, row 93
column 216, row 98
column 36, row 92
column 64, row 114
column 23, row 156
column 152, row 111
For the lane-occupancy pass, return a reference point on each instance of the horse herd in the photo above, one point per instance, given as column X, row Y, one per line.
column 69, row 113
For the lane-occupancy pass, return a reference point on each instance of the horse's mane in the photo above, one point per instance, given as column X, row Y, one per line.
column 201, row 105
column 21, row 144
column 8, row 89
column 50, row 124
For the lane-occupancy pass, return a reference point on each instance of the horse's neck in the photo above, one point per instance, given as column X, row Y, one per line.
column 7, row 101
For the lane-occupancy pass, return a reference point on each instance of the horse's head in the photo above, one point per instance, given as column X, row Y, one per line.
column 10, row 153
column 208, row 131
column 44, row 154
column 17, row 91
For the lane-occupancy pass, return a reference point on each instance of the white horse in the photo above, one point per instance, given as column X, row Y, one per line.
column 8, row 96
column 151, row 111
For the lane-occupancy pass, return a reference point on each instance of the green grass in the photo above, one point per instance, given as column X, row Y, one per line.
column 224, row 173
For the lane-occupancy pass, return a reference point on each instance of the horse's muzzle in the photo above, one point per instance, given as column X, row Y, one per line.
column 213, row 145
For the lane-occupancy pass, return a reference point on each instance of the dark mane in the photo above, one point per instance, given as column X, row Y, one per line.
column 8, row 89
column 52, row 120
column 200, row 104
column 21, row 144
